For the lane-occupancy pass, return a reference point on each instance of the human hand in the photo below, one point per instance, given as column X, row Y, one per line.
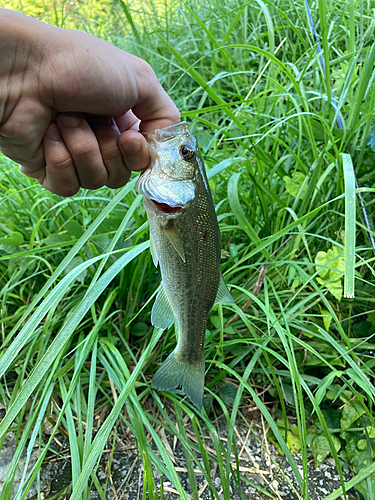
column 71, row 106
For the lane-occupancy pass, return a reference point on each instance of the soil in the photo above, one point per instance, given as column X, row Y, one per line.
column 264, row 473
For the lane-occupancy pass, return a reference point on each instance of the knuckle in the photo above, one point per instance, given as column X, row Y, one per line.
column 61, row 163
column 34, row 173
column 14, row 132
column 83, row 150
column 110, row 152
column 146, row 69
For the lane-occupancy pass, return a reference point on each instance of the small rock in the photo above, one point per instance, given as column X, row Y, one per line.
column 101, row 475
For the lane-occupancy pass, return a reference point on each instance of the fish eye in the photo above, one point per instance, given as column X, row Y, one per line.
column 186, row 152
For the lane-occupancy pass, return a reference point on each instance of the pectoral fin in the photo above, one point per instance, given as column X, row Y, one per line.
column 175, row 240
column 155, row 257
column 162, row 315
column 223, row 294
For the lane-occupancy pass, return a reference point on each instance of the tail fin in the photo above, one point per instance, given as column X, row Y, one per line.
column 175, row 372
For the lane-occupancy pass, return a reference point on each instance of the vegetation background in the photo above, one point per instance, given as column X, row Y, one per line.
column 77, row 281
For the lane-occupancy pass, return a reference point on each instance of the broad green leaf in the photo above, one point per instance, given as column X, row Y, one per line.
column 339, row 259
column 293, row 185
column 320, row 262
column 350, row 413
column 288, row 394
column 327, row 318
column 330, row 266
column 311, row 434
column 74, row 229
column 52, row 239
column 318, row 130
column 357, row 450
column 13, row 239
column 362, row 444
column 335, row 287
column 293, row 442
column 320, row 448
column 228, row 393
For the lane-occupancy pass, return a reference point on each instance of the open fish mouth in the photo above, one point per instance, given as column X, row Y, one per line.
column 163, row 207
column 167, row 196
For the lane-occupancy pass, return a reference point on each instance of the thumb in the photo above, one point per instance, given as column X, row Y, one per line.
column 100, row 79
column 154, row 108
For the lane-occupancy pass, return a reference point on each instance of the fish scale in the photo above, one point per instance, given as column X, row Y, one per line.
column 191, row 286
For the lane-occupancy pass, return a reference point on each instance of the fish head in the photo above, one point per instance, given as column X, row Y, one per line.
column 173, row 150
column 170, row 181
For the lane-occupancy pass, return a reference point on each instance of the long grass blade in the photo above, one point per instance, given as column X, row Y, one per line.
column 350, row 220
column 58, row 344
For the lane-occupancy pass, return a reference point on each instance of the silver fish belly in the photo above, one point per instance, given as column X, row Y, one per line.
column 185, row 240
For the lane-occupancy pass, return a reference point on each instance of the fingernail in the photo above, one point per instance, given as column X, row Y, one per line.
column 131, row 147
column 69, row 121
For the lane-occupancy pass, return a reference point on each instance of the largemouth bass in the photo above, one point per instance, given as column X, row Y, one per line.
column 185, row 239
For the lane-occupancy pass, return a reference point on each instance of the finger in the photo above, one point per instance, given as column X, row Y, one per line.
column 128, row 121
column 60, row 175
column 36, row 170
column 154, row 108
column 21, row 136
column 134, row 150
column 107, row 134
column 83, row 146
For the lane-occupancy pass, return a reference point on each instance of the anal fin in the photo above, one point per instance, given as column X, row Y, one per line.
column 223, row 294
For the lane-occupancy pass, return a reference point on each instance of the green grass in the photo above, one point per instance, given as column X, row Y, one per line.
column 77, row 281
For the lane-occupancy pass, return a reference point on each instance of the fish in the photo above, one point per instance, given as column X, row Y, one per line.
column 185, row 240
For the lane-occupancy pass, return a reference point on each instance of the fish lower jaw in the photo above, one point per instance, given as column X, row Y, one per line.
column 167, row 209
